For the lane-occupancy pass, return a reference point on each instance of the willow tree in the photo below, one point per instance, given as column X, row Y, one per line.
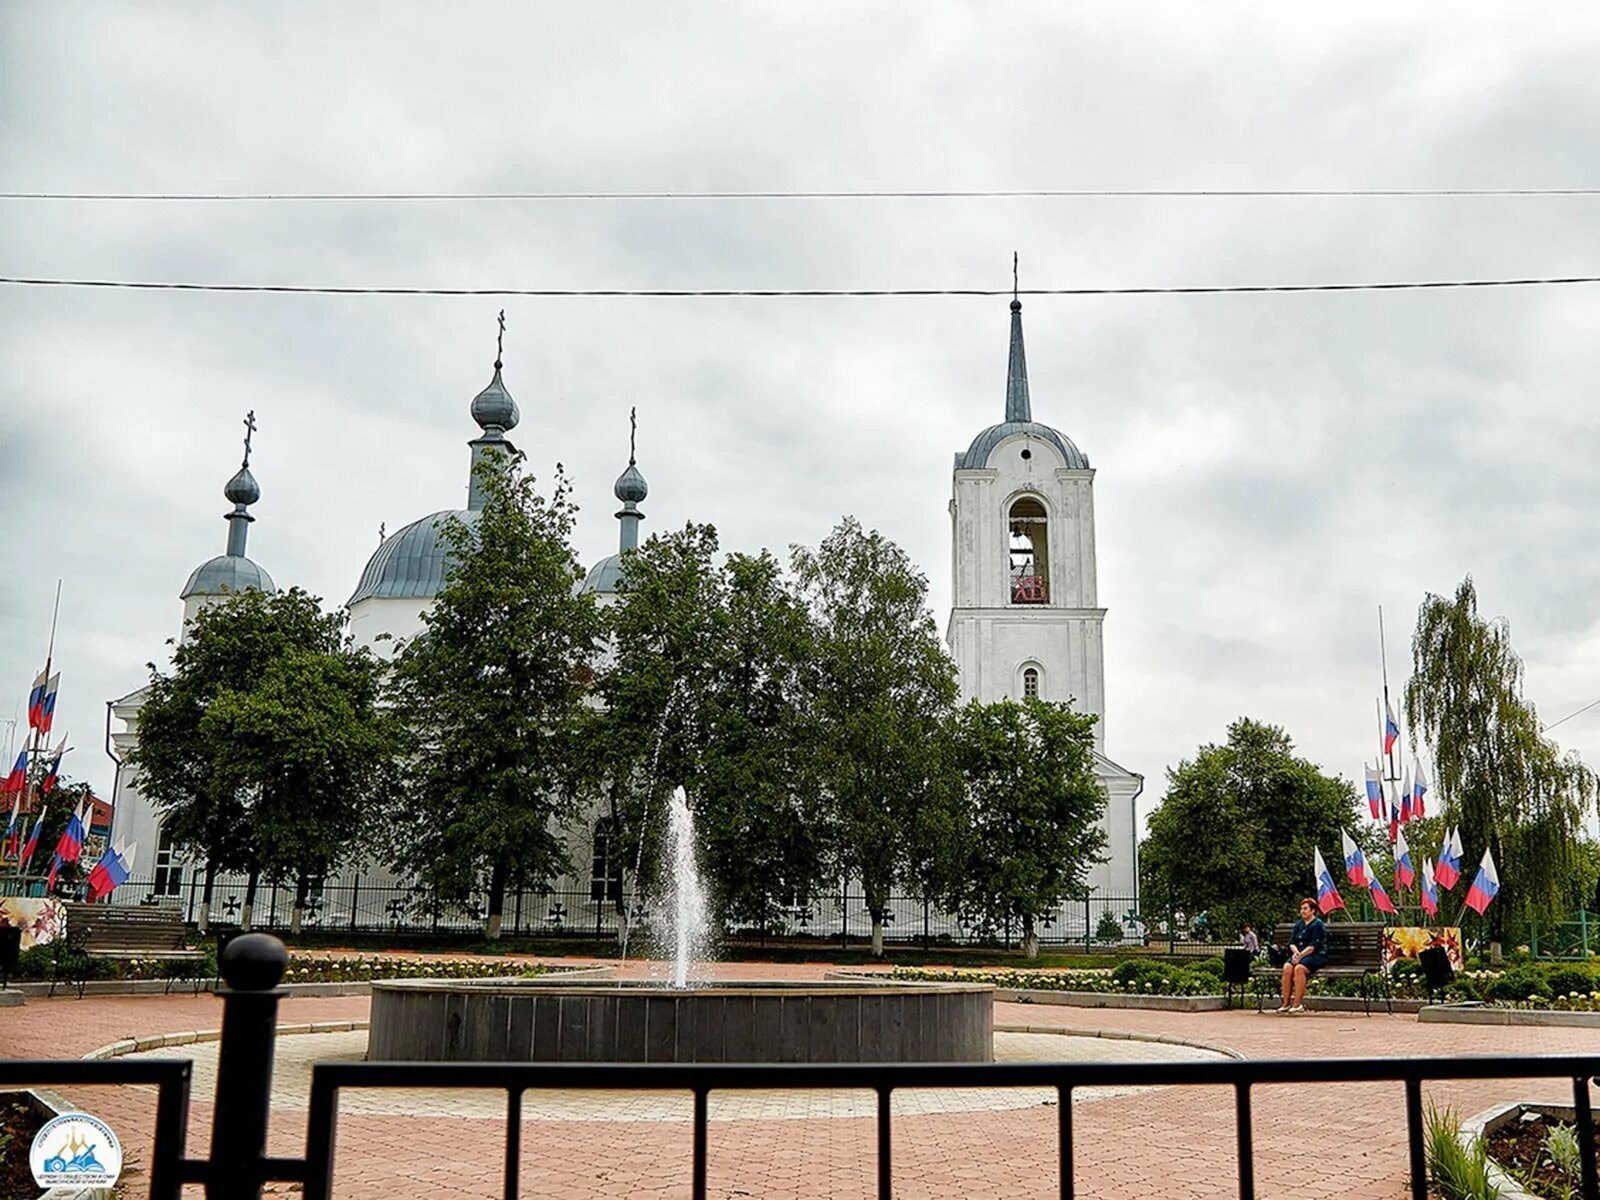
column 1506, row 785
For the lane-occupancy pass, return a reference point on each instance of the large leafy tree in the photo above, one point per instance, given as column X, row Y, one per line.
column 1234, row 835
column 702, row 691
column 314, row 746
column 222, row 760
column 492, row 691
column 1502, row 782
column 880, row 686
column 1030, row 813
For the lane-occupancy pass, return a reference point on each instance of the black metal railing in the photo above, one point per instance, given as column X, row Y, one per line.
column 237, row 1165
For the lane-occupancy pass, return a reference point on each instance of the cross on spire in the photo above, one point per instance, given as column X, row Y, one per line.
column 249, row 432
column 500, row 341
column 633, row 429
column 1014, row 299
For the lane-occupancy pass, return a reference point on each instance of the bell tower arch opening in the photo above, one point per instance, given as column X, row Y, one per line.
column 1029, row 556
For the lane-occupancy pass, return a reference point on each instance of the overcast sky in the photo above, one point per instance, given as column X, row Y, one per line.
column 1270, row 469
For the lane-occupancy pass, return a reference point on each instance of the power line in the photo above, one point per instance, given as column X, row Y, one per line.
column 1570, row 715
column 930, row 194
column 711, row 293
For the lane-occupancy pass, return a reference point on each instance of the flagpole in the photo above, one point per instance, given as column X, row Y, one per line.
column 37, row 747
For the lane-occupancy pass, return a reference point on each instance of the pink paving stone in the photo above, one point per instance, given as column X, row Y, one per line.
column 1163, row 1143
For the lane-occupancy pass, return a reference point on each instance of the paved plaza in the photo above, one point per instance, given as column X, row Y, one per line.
column 1345, row 1141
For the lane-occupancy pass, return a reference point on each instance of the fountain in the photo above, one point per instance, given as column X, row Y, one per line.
column 585, row 1016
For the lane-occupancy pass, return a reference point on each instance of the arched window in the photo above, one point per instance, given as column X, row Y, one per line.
column 1029, row 552
column 1030, row 683
column 605, row 869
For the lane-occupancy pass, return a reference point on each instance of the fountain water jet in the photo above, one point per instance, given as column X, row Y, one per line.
column 686, row 898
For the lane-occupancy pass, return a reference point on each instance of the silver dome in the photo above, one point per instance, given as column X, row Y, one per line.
column 227, row 573
column 413, row 562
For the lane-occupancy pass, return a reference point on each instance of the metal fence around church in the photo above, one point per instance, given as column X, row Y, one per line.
column 352, row 905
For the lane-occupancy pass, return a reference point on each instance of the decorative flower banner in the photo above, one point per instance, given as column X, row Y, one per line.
column 1408, row 941
column 40, row 919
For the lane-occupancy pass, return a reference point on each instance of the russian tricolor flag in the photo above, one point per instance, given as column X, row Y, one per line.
column 49, row 780
column 1403, row 874
column 1328, row 897
column 1405, row 801
column 1485, row 886
column 69, row 846
column 1429, row 894
column 47, row 711
column 1391, row 729
column 18, row 779
column 1394, row 818
column 1375, row 793
column 111, row 870
column 32, row 843
column 1419, row 789
column 1449, row 868
column 36, row 701
column 1380, row 898
column 1355, row 863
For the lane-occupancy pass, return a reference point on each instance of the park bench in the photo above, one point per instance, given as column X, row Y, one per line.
column 1355, row 951
column 148, row 932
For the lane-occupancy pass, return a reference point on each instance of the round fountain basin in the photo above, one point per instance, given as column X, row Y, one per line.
column 547, row 1020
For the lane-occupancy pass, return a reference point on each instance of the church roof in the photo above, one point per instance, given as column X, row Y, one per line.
column 605, row 576
column 411, row 563
column 227, row 573
column 1019, row 413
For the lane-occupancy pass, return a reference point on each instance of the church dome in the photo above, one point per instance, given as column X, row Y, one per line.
column 227, row 573
column 605, row 576
column 413, row 562
column 977, row 455
column 630, row 487
column 242, row 488
column 493, row 408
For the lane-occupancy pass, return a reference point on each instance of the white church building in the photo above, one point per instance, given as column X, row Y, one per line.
column 1024, row 622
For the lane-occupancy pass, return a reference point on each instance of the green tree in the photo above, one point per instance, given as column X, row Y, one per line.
column 1234, row 835
column 880, row 687
column 703, row 691
column 314, row 747
column 1032, row 808
column 216, row 788
column 492, row 692
column 1502, row 782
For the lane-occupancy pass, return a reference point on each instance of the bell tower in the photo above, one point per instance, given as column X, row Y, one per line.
column 1025, row 621
column 1025, row 618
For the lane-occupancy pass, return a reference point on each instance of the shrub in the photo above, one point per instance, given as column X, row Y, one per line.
column 1458, row 1172
column 1207, row 966
column 1523, row 982
column 1568, row 979
column 1109, row 929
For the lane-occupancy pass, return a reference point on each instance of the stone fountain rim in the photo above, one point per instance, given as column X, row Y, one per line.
column 597, row 982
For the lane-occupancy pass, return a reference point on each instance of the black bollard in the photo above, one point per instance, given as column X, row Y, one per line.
column 251, row 965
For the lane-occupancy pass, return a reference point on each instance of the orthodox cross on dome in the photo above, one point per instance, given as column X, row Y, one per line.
column 1014, row 299
column 249, row 432
column 633, row 431
column 500, row 341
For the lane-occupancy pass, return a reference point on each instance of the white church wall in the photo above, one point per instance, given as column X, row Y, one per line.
column 400, row 617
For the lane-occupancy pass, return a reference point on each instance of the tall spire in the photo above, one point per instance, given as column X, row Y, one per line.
column 1017, row 406
column 630, row 489
column 243, row 491
column 496, row 414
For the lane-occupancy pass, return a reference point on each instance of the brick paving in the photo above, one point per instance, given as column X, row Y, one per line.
column 1346, row 1141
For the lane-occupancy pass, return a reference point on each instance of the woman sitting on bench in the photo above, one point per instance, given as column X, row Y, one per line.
column 1308, row 953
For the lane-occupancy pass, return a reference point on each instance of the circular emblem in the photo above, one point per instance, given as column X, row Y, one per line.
column 75, row 1150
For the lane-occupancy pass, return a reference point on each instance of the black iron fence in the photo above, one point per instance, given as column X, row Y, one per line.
column 375, row 905
column 238, row 1165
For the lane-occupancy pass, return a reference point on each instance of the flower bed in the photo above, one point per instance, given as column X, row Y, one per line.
column 1135, row 977
column 1540, row 1152
column 37, row 964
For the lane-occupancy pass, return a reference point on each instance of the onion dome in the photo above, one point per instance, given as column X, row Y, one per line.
column 233, row 571
column 605, row 577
